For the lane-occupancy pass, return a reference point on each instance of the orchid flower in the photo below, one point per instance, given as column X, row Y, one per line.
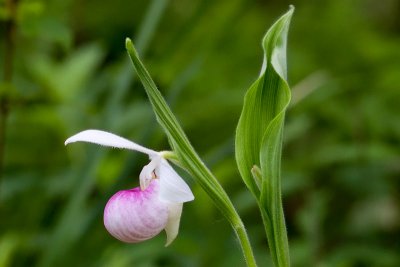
column 141, row 213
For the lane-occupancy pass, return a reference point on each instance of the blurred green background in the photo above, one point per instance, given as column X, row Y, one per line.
column 70, row 72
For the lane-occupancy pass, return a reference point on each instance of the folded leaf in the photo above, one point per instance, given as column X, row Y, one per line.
column 259, row 136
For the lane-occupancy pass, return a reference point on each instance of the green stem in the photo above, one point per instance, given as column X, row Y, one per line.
column 245, row 244
column 233, row 218
column 7, row 76
column 216, row 192
column 3, row 119
column 221, row 199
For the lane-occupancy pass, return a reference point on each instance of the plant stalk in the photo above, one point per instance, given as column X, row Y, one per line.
column 221, row 200
column 10, row 31
column 245, row 244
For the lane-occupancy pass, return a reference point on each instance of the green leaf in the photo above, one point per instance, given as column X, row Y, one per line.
column 177, row 138
column 259, row 136
column 187, row 156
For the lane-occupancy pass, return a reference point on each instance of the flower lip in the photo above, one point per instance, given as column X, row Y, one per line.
column 134, row 215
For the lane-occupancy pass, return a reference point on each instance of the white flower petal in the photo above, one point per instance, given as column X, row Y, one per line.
column 174, row 218
column 108, row 139
column 172, row 187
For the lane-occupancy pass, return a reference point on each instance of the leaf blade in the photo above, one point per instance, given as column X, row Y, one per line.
column 259, row 136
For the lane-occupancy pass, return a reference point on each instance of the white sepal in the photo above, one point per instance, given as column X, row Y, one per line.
column 108, row 139
column 172, row 187
column 174, row 218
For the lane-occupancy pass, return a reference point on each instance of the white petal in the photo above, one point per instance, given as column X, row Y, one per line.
column 108, row 139
column 172, row 187
column 174, row 218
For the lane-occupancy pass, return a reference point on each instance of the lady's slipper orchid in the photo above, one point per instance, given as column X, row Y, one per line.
column 141, row 213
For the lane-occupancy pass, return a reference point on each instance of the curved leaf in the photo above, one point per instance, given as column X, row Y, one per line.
column 259, row 136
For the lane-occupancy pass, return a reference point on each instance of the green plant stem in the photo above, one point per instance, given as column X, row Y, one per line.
column 198, row 169
column 10, row 29
column 245, row 244
column 3, row 119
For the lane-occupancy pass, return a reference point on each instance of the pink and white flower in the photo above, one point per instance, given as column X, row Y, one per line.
column 141, row 213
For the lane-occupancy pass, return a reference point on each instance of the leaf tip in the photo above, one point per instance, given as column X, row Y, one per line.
column 129, row 45
column 289, row 13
